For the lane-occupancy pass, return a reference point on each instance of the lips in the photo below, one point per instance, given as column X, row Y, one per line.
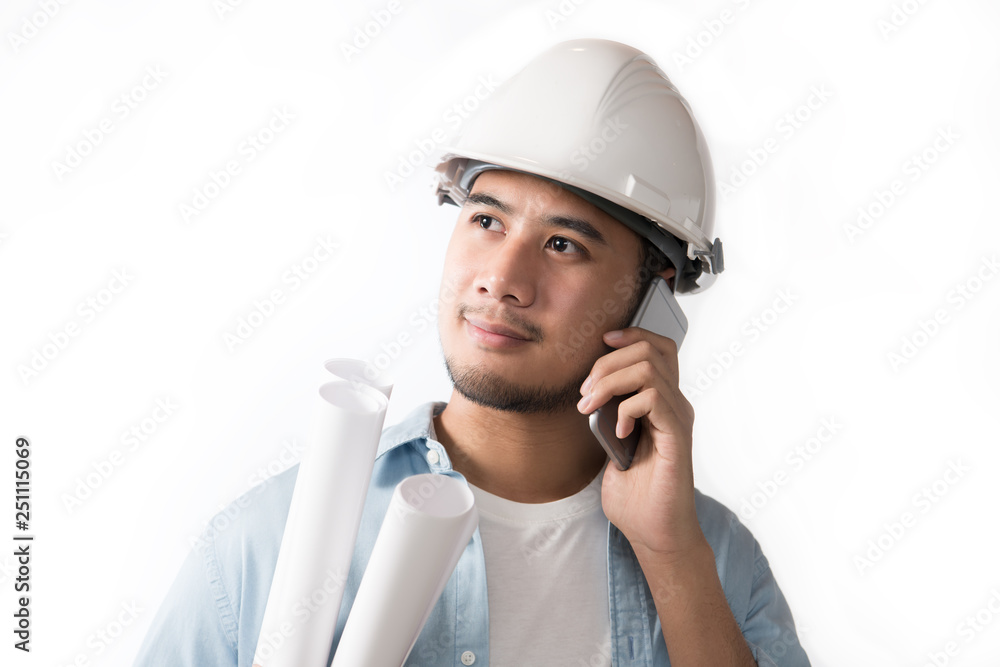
column 499, row 329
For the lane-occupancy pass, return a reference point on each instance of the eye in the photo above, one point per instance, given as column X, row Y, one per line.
column 487, row 221
column 560, row 244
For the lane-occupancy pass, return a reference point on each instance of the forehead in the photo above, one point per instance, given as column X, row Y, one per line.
column 528, row 188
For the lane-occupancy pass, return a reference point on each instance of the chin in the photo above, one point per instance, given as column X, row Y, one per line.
column 497, row 390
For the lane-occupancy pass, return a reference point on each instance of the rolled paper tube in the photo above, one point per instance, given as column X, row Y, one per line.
column 425, row 530
column 355, row 370
column 322, row 526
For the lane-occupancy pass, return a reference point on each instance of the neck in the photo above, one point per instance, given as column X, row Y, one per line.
column 528, row 458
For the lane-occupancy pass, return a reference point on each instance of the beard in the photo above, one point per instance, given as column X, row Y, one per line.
column 491, row 390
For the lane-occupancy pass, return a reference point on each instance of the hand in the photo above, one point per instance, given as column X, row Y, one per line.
column 652, row 502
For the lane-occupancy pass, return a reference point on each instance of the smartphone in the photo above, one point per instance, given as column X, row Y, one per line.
column 659, row 313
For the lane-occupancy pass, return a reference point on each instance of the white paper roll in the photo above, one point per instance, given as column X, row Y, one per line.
column 355, row 370
column 322, row 526
column 426, row 528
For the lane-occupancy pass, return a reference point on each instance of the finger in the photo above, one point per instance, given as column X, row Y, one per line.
column 617, row 360
column 668, row 414
column 643, row 374
column 629, row 335
column 665, row 347
column 633, row 378
column 639, row 406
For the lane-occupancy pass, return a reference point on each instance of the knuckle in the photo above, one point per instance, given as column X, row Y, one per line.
column 646, row 347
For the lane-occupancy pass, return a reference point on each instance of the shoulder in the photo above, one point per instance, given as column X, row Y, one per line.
column 739, row 559
column 215, row 608
column 252, row 522
column 239, row 550
column 255, row 520
column 217, row 593
column 722, row 526
column 240, row 545
column 250, row 527
column 751, row 589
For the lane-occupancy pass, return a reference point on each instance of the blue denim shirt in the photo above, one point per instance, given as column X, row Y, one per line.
column 214, row 610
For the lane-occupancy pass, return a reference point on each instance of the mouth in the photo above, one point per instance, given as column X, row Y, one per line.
column 494, row 335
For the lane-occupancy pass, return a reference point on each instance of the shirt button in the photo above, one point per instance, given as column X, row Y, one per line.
column 468, row 658
column 433, row 457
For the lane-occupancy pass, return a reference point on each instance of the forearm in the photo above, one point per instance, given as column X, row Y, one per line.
column 698, row 626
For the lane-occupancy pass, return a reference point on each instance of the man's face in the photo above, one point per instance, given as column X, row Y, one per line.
column 533, row 277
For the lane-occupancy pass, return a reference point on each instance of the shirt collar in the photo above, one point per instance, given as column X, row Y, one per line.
column 416, row 426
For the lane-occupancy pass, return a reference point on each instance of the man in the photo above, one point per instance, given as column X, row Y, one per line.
column 575, row 561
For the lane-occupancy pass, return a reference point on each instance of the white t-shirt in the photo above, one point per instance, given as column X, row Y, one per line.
column 547, row 579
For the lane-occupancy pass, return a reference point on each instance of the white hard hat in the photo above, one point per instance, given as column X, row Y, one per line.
column 602, row 120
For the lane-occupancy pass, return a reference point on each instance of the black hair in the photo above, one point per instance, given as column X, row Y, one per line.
column 651, row 262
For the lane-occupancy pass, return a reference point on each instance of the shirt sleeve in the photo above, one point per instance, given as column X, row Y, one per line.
column 194, row 625
column 769, row 629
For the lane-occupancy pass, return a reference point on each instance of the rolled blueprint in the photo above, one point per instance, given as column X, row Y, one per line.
column 355, row 370
column 322, row 526
column 426, row 528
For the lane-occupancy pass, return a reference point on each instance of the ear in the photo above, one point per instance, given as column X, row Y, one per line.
column 668, row 275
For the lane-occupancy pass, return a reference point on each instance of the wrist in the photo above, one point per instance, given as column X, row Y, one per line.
column 682, row 554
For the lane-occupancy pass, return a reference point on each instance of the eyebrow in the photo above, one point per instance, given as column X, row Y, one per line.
column 578, row 225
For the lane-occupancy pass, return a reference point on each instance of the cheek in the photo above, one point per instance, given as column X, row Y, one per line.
column 456, row 278
column 576, row 334
column 584, row 322
column 459, row 268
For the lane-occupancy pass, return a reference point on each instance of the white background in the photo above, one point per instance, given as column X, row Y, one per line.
column 856, row 299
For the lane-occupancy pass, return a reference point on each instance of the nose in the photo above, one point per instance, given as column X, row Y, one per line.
column 507, row 272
